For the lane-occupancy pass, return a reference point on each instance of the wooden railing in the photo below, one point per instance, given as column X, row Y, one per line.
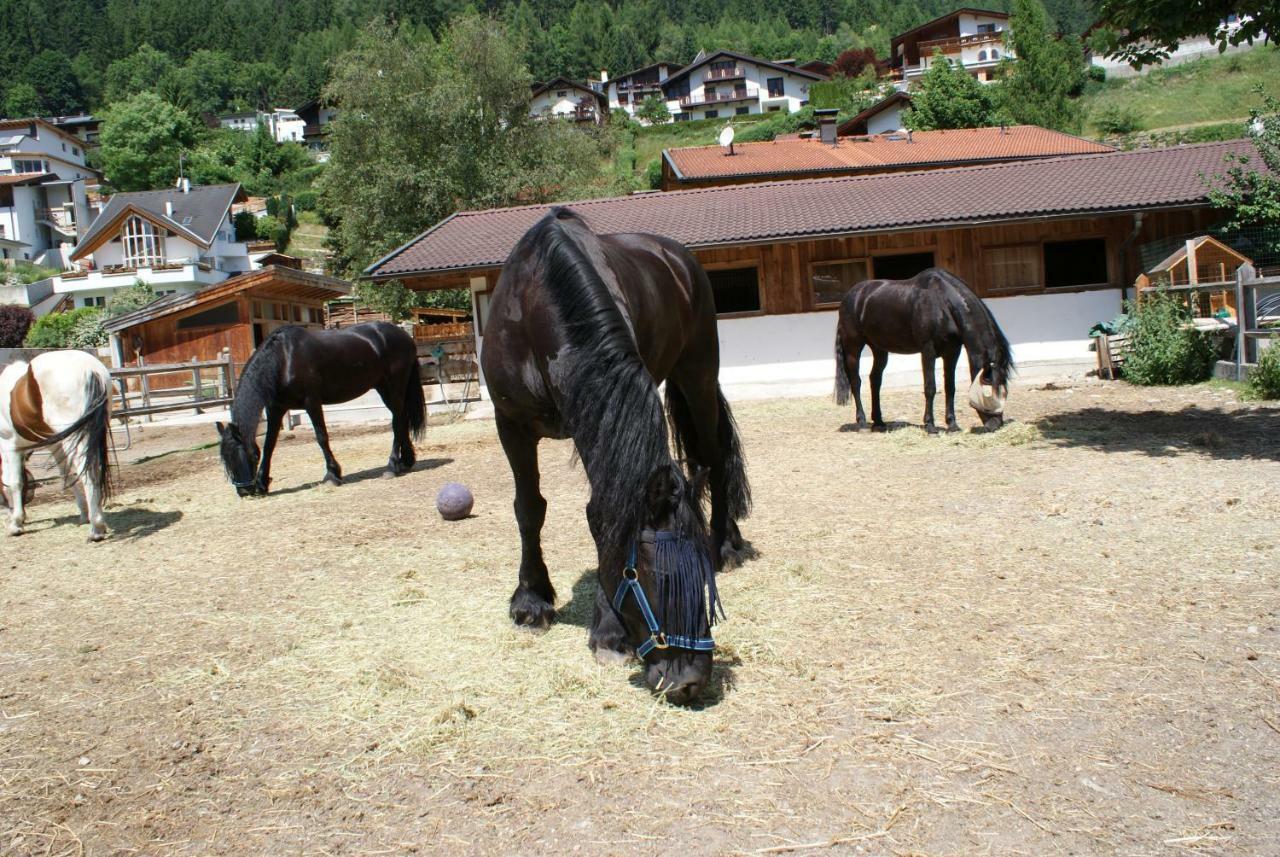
column 926, row 48
column 136, row 398
column 717, row 98
column 725, row 73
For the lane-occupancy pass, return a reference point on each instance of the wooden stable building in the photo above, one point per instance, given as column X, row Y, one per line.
column 234, row 316
column 1051, row 245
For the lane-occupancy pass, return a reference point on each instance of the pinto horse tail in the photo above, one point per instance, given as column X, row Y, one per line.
column 684, row 436
column 415, row 402
column 91, row 433
column 844, row 385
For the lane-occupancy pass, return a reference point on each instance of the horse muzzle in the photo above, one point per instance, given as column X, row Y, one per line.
column 680, row 675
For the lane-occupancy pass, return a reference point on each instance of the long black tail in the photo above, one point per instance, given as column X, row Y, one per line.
column 91, row 433
column 415, row 402
column 684, row 434
column 844, row 387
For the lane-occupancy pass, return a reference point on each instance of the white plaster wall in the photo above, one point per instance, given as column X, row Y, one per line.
column 547, row 102
column 886, row 121
column 175, row 249
column 781, row 355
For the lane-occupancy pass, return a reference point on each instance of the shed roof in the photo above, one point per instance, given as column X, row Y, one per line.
column 880, row 153
column 288, row 282
column 776, row 211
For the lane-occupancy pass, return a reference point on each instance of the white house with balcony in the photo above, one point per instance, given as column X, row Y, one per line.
column 175, row 240
column 725, row 84
column 627, row 92
column 974, row 38
column 43, row 206
column 563, row 98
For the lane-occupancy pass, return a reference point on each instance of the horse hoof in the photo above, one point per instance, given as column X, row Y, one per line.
column 390, row 474
column 849, row 427
column 952, row 427
column 15, row 531
column 329, row 479
column 96, row 537
column 931, row 429
column 531, row 611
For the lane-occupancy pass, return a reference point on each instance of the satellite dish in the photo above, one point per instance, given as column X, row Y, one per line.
column 726, row 138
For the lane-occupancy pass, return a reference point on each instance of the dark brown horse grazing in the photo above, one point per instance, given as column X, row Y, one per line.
column 581, row 329
column 932, row 314
column 295, row 368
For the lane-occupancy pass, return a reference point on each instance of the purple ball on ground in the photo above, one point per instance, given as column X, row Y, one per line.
column 454, row 501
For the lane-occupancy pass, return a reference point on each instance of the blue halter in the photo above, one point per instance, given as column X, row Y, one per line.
column 657, row 639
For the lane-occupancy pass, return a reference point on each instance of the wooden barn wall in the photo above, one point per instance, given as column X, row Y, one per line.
column 163, row 342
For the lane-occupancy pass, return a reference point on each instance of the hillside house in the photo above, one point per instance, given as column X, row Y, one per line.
column 82, row 126
column 175, row 240
column 44, row 208
column 315, row 126
column 971, row 37
column 725, row 84
column 568, row 99
column 1049, row 244
column 628, row 91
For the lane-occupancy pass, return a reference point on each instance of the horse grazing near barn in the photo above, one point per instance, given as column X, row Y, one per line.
column 297, row 368
column 581, row 329
column 60, row 401
column 932, row 314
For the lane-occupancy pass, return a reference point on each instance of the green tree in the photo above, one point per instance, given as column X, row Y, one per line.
column 425, row 129
column 1252, row 198
column 391, row 297
column 1041, row 82
column 207, row 82
column 140, row 71
column 1147, row 31
column 141, row 141
column 950, row 97
column 129, row 298
column 49, row 73
column 21, row 100
column 654, row 110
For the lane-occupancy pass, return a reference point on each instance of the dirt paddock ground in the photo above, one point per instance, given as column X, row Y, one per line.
column 1059, row 638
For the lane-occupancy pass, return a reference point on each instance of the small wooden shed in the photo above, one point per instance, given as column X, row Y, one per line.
column 1205, row 269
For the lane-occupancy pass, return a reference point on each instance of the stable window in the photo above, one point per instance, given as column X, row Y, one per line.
column 143, row 246
column 1014, row 268
column 98, row 301
column 1075, row 263
column 775, row 87
column 742, row 111
column 735, row 289
column 903, row 266
column 226, row 313
column 831, row 280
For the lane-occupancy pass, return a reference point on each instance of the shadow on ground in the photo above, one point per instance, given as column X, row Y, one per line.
column 135, row 523
column 371, row 473
column 1239, row 434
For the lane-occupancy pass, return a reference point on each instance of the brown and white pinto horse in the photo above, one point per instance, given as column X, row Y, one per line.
column 61, row 401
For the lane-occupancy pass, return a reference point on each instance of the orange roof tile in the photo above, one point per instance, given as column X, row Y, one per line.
column 884, row 153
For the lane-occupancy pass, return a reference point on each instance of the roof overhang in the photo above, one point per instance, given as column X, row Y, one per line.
column 111, row 227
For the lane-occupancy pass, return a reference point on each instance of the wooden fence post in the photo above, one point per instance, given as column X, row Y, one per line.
column 145, row 385
column 196, row 390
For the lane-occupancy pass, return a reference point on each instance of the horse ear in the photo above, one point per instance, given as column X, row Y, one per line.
column 222, row 430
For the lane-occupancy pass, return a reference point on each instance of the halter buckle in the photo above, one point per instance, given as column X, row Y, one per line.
column 659, row 640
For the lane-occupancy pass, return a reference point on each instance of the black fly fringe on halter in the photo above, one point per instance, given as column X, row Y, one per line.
column 687, row 595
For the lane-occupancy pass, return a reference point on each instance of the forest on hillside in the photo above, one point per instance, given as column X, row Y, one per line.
column 73, row 55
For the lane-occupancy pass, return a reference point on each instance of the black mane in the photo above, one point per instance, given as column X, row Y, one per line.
column 610, row 403
column 977, row 317
column 258, row 383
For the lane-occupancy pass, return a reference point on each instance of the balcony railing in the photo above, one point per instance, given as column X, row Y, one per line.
column 725, row 73
column 957, row 42
column 64, row 217
column 718, row 98
column 623, row 86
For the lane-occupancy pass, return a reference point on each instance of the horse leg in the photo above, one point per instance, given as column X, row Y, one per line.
column 949, row 360
column 532, row 602
column 928, row 360
column 332, row 471
column 879, row 359
column 12, row 471
column 399, row 429
column 275, row 416
column 77, row 490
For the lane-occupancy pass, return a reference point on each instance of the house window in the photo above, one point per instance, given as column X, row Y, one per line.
column 774, row 108
column 711, row 114
column 986, row 28
column 831, row 280
column 75, row 151
column 982, row 56
column 98, row 301
column 995, row 54
column 622, row 98
column 143, row 246
column 742, row 111
column 1012, row 268
column 775, row 87
column 682, row 117
column 25, row 166
column 561, row 93
column 736, row 289
column 903, row 266
column 1075, row 263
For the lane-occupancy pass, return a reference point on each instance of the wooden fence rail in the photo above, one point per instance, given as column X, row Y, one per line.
column 1254, row 293
column 185, row 398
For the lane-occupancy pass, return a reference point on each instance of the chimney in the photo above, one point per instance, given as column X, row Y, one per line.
column 827, row 124
column 604, row 75
column 909, row 135
column 186, row 185
column 168, row 208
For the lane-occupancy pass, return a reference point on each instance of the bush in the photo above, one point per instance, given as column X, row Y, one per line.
column 1264, row 379
column 246, row 226
column 1117, row 119
column 653, row 174
column 1097, row 74
column 305, row 200
column 15, row 321
column 1166, row 348
column 80, row 328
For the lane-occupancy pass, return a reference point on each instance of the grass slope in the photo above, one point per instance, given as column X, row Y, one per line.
column 1207, row 90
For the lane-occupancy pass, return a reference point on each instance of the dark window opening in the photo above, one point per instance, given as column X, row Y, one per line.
column 775, row 87
column 742, row 111
column 712, row 114
column 227, row 313
column 1075, row 263
column 901, row 267
column 736, row 290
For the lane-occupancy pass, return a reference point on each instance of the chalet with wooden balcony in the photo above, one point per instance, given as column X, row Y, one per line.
column 568, row 99
column 629, row 91
column 177, row 240
column 974, row 38
column 727, row 83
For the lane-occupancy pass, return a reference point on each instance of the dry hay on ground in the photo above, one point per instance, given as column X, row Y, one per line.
column 1058, row 638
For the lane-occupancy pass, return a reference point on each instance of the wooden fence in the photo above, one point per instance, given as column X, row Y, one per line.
column 136, row 398
column 1259, row 301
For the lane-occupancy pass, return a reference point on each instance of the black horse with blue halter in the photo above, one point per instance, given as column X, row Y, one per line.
column 686, row 593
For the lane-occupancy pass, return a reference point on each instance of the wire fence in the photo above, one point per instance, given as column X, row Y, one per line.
column 1259, row 245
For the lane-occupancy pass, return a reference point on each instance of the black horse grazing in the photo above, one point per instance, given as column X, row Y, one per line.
column 581, row 329
column 299, row 368
column 932, row 314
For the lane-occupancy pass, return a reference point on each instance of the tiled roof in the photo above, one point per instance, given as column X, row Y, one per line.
column 198, row 212
column 876, row 154
column 1109, row 182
